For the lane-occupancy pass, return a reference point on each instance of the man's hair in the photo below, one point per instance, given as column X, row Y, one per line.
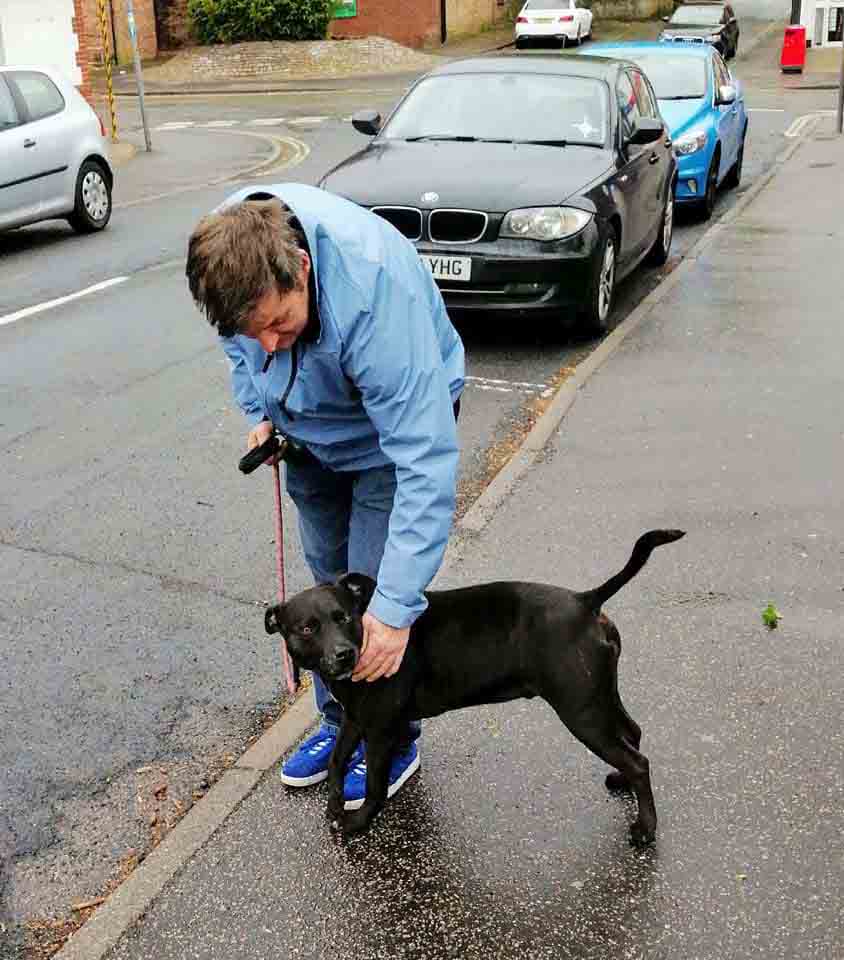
column 237, row 255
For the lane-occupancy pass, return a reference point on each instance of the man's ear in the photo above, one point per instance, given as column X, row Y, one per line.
column 360, row 586
column 274, row 618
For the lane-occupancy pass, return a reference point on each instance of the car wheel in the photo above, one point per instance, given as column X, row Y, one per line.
column 660, row 251
column 92, row 209
column 707, row 203
column 520, row 44
column 733, row 178
column 596, row 315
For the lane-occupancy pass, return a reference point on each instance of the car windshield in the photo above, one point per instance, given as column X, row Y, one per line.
column 706, row 16
column 674, row 78
column 536, row 5
column 504, row 107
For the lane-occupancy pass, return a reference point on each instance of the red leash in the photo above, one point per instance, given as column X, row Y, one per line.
column 291, row 674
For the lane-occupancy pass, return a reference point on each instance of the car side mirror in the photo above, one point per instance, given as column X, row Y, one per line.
column 646, row 130
column 367, row 122
column 665, row 19
column 726, row 94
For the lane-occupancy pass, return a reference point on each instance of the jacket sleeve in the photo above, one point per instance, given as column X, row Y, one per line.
column 392, row 356
column 242, row 386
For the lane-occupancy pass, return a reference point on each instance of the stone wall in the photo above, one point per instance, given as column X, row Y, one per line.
column 631, row 9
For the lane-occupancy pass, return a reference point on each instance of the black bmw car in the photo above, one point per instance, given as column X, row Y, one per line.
column 527, row 184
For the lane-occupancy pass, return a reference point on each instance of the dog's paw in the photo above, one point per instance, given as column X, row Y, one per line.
column 355, row 823
column 642, row 836
column 617, row 781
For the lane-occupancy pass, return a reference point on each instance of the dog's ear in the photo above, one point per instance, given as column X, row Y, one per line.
column 360, row 586
column 273, row 618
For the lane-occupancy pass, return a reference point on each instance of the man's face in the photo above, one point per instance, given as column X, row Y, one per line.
column 279, row 318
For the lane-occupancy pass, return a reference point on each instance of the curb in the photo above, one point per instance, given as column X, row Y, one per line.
column 121, row 153
column 135, row 895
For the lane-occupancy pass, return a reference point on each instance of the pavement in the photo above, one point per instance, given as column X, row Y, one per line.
column 708, row 409
column 278, row 67
column 821, row 72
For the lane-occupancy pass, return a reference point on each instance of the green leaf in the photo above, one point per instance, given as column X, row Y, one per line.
column 771, row 616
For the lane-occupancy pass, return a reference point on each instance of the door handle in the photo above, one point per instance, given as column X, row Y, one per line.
column 653, row 158
column 28, row 143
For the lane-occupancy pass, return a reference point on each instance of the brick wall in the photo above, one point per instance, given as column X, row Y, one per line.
column 470, row 16
column 144, row 24
column 85, row 30
column 414, row 24
column 173, row 23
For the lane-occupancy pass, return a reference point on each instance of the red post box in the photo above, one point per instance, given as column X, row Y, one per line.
column 793, row 57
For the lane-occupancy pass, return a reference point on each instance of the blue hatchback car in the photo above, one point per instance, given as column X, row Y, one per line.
column 703, row 106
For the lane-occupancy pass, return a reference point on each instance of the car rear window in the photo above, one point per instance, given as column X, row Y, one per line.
column 8, row 114
column 707, row 16
column 503, row 106
column 674, row 78
column 41, row 96
column 537, row 5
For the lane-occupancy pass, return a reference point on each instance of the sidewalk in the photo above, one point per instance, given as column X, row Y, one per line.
column 717, row 413
column 822, row 70
column 266, row 67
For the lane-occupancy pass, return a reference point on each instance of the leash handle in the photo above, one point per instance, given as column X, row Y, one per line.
column 258, row 455
column 291, row 674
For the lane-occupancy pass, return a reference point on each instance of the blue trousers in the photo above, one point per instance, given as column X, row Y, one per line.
column 343, row 523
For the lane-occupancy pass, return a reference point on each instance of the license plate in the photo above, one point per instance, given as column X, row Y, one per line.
column 449, row 268
column 543, row 19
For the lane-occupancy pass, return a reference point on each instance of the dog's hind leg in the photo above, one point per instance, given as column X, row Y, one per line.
column 632, row 733
column 601, row 729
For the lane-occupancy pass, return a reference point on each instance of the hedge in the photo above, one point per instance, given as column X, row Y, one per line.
column 235, row 21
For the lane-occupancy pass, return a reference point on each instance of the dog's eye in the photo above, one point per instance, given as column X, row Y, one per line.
column 309, row 629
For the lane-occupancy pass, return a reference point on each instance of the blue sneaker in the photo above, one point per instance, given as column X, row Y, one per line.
column 309, row 764
column 404, row 764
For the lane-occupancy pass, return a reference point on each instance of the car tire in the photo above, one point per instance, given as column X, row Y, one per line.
column 733, row 178
column 706, row 205
column 520, row 44
column 92, row 209
column 595, row 316
column 661, row 250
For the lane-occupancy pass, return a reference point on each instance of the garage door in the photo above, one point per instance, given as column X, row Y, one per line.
column 39, row 32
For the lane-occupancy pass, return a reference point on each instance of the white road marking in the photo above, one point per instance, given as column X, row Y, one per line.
column 766, row 110
column 268, row 121
column 507, row 383
column 49, row 304
column 219, row 123
column 175, row 125
column 508, row 386
column 308, row 120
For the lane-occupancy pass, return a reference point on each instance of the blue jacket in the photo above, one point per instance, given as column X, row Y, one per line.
column 375, row 387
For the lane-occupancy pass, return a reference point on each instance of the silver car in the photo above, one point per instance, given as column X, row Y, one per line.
column 54, row 156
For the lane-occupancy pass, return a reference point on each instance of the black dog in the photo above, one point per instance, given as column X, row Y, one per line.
column 482, row 644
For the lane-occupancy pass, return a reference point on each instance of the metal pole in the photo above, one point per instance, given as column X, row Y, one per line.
column 104, row 38
column 841, row 91
column 139, row 77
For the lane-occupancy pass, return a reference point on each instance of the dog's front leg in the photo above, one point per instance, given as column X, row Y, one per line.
column 379, row 752
column 347, row 739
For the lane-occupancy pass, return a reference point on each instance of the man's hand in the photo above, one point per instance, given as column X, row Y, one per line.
column 259, row 435
column 383, row 649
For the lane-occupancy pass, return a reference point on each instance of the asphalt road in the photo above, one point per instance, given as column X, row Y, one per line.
column 135, row 558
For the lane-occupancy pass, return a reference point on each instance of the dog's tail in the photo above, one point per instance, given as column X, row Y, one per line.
column 595, row 599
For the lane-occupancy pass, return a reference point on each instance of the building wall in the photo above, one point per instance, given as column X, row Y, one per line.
column 43, row 32
column 414, row 24
column 470, row 16
column 632, row 9
column 173, row 23
column 144, row 24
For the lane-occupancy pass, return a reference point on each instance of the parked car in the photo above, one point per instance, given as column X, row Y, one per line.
column 561, row 20
column 703, row 22
column 528, row 184
column 703, row 105
column 54, row 156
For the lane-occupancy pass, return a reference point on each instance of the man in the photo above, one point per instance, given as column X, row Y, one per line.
column 338, row 338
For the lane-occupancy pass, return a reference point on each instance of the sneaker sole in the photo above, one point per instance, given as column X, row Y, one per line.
column 392, row 790
column 289, row 781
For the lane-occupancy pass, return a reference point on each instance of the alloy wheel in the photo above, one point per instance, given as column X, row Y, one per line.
column 606, row 282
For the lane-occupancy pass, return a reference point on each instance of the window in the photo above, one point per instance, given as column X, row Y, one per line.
column 39, row 93
column 647, row 106
column 8, row 114
column 626, row 104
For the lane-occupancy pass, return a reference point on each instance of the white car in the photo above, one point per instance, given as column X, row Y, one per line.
column 561, row 20
column 54, row 155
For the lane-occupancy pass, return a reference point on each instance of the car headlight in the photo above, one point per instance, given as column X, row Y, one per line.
column 544, row 223
column 690, row 143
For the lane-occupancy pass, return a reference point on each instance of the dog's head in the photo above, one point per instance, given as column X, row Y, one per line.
column 322, row 626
